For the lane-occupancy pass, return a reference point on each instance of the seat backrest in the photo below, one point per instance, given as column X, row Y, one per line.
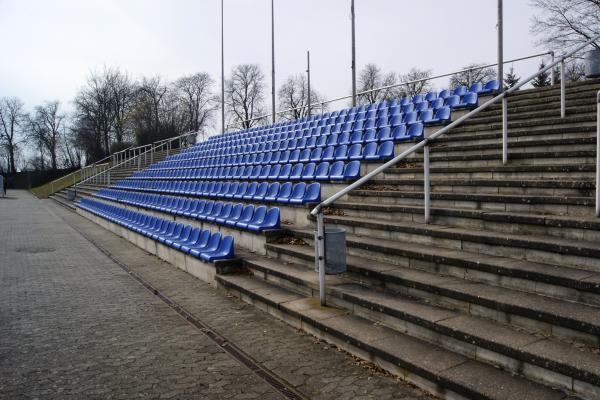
column 297, row 170
column 312, row 194
column 493, row 85
column 298, row 190
column 460, row 91
column 386, row 149
column 286, row 190
column 476, row 87
column 425, row 115
column 261, row 190
column 352, row 170
column 415, row 130
column 399, row 132
column 370, row 149
column 431, row 96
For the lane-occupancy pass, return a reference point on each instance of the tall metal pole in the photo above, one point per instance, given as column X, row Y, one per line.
column 353, row 56
column 222, row 71
column 273, row 59
column 308, row 80
column 500, row 45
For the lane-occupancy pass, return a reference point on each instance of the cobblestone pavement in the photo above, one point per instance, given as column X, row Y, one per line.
column 72, row 322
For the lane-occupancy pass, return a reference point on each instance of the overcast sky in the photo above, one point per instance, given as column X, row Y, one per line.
column 50, row 46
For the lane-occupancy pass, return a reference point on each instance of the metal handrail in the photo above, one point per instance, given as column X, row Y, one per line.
column 153, row 148
column 317, row 211
column 474, row 68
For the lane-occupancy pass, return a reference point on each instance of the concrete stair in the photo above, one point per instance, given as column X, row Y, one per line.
column 498, row 297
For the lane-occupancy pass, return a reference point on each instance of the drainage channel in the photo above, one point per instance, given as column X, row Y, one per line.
column 284, row 388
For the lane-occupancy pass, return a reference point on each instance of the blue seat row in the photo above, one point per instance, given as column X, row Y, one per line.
column 249, row 217
column 199, row 243
column 276, row 192
column 324, row 171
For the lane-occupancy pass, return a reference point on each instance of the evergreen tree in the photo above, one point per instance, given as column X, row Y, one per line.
column 510, row 78
column 543, row 79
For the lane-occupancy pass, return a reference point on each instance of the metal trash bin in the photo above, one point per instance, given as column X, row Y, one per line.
column 71, row 193
column 335, row 251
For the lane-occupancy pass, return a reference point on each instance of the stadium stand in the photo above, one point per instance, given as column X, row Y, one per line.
column 496, row 298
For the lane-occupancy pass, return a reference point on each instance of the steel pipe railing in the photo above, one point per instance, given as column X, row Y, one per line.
column 469, row 71
column 318, row 210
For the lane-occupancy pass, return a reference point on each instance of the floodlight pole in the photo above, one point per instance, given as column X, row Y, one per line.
column 500, row 45
column 222, row 72
column 308, row 81
column 353, row 55
column 273, row 59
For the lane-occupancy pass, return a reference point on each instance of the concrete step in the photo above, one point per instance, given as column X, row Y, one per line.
column 442, row 372
column 536, row 248
column 588, row 110
column 561, row 282
column 567, row 227
column 500, row 345
column 539, row 123
column 529, row 172
column 515, row 157
column 539, row 144
column 580, row 206
column 572, row 322
column 61, row 198
column 539, row 187
column 514, row 107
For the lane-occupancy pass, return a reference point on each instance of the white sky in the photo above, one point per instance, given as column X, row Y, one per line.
column 50, row 46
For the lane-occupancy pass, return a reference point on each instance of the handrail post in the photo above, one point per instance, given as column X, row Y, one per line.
column 504, row 130
column 563, row 100
column 320, row 247
column 597, row 154
column 426, row 184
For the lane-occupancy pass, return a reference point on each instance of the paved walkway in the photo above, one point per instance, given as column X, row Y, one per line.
column 73, row 324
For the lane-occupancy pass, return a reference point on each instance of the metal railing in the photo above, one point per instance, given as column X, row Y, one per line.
column 424, row 144
column 143, row 154
column 468, row 71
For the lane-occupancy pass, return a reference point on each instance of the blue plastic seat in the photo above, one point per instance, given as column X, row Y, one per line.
column 396, row 120
column 261, row 191
column 274, row 173
column 336, row 172
column 460, row 91
column 272, row 192
column 490, row 87
column 477, row 87
column 241, row 190
column 284, row 173
column 341, row 153
column 296, row 173
column 294, row 156
column 322, row 171
column 223, row 251
column 304, row 156
column 250, row 191
column 297, row 195
column 431, row 96
column 441, row 116
column 308, row 172
column 312, row 193
column 352, row 170
column 212, row 242
column 284, row 192
column 234, row 216
column 354, row 152
column 316, row 153
column 410, row 118
column 444, row 94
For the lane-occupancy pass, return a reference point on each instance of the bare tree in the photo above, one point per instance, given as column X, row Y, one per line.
column 564, row 24
column 293, row 96
column 198, row 103
column 244, row 94
column 122, row 91
column 370, row 79
column 46, row 125
column 12, row 119
column 151, row 94
column 476, row 74
column 416, row 82
column 94, row 109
